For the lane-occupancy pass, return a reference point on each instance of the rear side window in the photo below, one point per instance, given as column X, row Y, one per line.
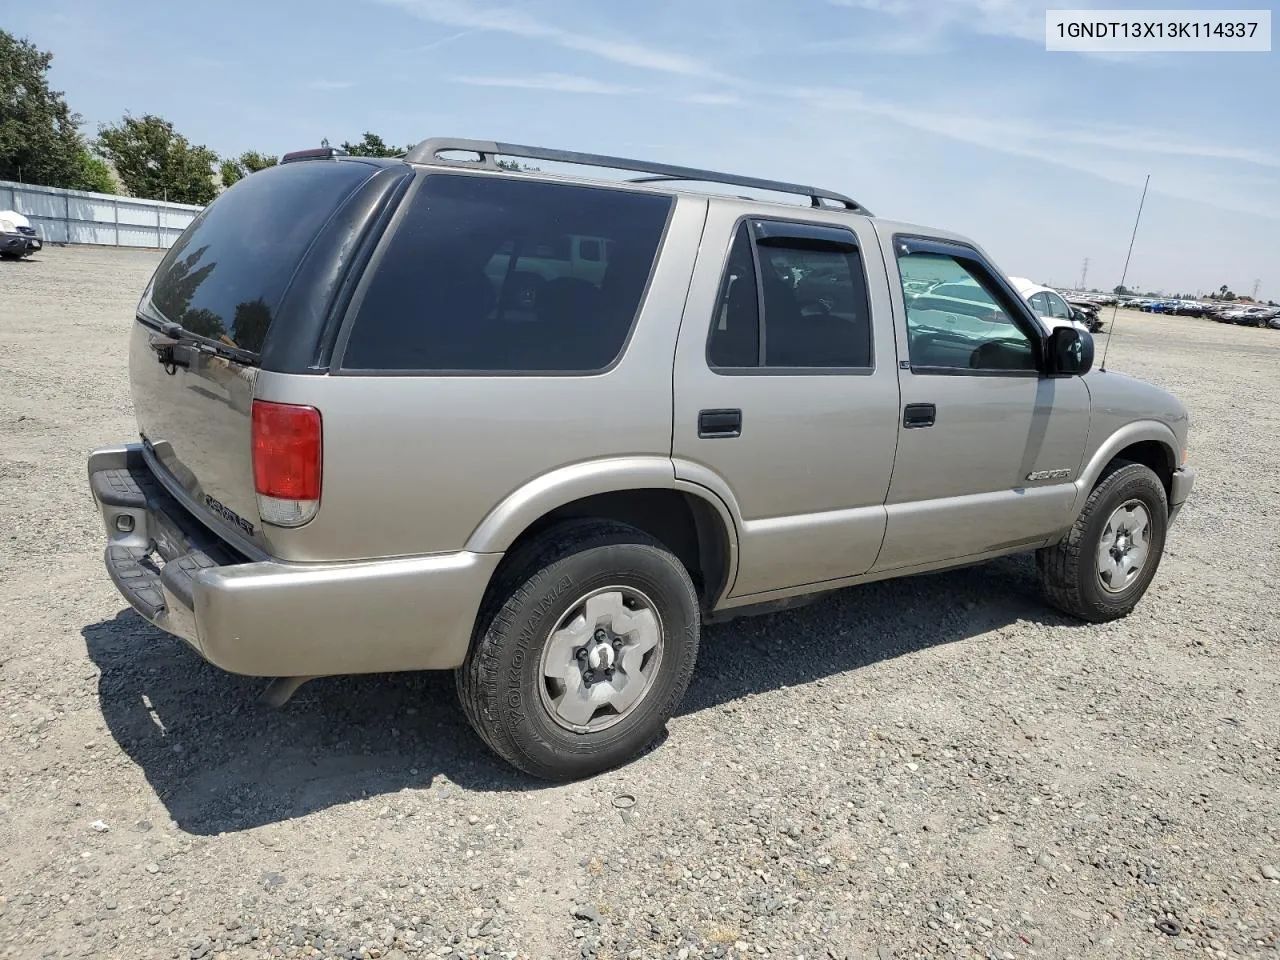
column 813, row 293
column 480, row 276
column 225, row 277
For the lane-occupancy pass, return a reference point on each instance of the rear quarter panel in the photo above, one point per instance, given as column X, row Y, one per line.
column 414, row 464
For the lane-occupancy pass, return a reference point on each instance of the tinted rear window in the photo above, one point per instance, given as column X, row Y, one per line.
column 483, row 274
column 226, row 275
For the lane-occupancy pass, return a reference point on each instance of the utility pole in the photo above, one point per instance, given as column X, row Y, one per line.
column 1257, row 285
column 1084, row 273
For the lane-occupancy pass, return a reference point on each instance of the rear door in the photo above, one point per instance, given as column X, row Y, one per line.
column 988, row 446
column 786, row 397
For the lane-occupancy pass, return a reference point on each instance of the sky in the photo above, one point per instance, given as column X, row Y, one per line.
column 948, row 113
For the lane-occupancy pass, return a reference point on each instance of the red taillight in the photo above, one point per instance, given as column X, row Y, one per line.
column 286, row 451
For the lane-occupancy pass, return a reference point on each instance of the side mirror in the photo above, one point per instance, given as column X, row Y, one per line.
column 1070, row 351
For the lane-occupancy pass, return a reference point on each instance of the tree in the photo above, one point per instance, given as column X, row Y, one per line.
column 93, row 173
column 173, row 297
column 234, row 169
column 230, row 173
column 1120, row 290
column 372, row 145
column 40, row 139
column 252, row 319
column 156, row 162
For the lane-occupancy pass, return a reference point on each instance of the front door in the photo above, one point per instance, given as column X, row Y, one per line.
column 988, row 446
column 786, row 393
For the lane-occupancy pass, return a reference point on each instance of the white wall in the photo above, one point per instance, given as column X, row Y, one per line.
column 76, row 216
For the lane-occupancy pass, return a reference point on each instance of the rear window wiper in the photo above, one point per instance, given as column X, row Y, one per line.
column 174, row 334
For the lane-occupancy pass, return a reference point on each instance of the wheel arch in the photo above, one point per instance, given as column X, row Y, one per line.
column 689, row 519
column 1148, row 442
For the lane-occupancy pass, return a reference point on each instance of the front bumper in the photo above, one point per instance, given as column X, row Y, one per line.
column 18, row 243
column 273, row 618
column 1183, row 480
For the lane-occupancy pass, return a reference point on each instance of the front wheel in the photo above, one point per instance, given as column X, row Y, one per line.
column 583, row 652
column 1104, row 565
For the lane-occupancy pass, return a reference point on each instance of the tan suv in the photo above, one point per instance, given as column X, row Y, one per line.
column 432, row 413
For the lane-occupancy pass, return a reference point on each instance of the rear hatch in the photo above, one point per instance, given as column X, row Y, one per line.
column 219, row 300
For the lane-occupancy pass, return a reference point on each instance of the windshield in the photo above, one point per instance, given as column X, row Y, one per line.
column 225, row 277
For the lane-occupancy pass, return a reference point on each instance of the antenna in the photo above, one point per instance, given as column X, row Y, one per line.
column 1102, row 367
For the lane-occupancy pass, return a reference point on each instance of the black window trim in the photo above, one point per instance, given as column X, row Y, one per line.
column 1018, row 309
column 336, row 367
column 803, row 230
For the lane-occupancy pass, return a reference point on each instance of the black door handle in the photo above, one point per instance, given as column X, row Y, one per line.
column 714, row 424
column 919, row 415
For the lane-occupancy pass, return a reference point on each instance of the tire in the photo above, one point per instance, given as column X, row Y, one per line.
column 11, row 256
column 541, row 593
column 1071, row 572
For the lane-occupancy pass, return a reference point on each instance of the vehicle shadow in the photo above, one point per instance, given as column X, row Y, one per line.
column 220, row 761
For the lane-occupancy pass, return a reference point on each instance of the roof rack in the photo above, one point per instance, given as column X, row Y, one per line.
column 428, row 151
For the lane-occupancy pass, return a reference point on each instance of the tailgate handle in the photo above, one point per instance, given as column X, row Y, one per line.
column 718, row 424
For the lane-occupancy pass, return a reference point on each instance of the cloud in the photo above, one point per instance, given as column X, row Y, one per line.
column 436, row 44
column 516, row 21
column 1162, row 142
column 331, row 84
column 712, row 99
column 569, row 83
column 923, row 23
column 1101, row 153
column 558, row 82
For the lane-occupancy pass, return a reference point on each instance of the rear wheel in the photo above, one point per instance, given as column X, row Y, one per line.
column 583, row 652
column 1103, row 567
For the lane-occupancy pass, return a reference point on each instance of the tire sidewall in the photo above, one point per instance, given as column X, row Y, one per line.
column 1133, row 482
column 523, row 627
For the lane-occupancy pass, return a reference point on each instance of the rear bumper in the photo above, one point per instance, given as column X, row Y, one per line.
column 1183, row 480
column 273, row 618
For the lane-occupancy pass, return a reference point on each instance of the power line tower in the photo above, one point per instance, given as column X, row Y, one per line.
column 1257, row 285
column 1084, row 273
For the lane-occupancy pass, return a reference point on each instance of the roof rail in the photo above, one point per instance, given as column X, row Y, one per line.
column 428, row 151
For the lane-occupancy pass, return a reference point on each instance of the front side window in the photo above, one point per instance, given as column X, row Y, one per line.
column 1057, row 306
column 955, row 317
column 791, row 302
column 480, row 277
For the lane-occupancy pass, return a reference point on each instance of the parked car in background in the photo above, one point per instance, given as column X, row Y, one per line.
column 1086, row 310
column 1250, row 316
column 17, row 237
column 1051, row 307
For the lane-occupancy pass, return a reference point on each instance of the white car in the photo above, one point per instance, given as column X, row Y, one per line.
column 1047, row 304
column 17, row 236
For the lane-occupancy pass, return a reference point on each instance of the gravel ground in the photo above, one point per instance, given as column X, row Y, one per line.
column 938, row 766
